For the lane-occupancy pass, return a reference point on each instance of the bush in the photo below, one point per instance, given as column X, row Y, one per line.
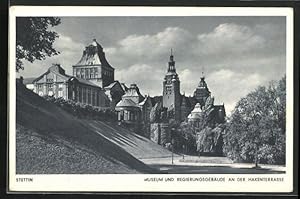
column 83, row 111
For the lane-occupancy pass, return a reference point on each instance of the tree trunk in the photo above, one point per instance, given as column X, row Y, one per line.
column 256, row 156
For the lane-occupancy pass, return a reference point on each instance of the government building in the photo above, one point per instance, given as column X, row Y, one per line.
column 94, row 67
column 184, row 107
column 92, row 82
column 56, row 83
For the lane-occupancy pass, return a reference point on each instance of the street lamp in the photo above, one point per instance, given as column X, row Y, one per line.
column 183, row 151
column 172, row 143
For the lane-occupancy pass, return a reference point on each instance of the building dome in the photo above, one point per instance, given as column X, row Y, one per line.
column 194, row 116
column 196, row 113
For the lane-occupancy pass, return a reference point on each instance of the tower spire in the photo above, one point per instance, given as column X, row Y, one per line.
column 202, row 73
column 171, row 67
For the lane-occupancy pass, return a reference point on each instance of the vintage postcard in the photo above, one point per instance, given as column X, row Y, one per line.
column 150, row 99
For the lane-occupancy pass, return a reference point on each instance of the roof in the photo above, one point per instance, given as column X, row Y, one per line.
column 126, row 103
column 83, row 81
column 196, row 112
column 94, row 55
column 55, row 68
column 197, row 109
column 111, row 85
column 145, row 100
column 133, row 91
column 28, row 80
column 194, row 116
column 125, row 88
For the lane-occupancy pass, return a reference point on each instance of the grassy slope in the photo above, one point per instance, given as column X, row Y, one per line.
column 42, row 154
column 50, row 140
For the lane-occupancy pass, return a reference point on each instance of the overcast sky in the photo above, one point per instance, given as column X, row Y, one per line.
column 237, row 54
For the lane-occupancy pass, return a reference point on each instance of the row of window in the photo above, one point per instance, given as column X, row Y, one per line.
column 86, row 73
column 90, row 73
column 48, row 86
column 108, row 73
column 50, row 93
column 87, row 95
column 127, row 115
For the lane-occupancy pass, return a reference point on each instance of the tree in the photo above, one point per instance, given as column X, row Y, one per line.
column 209, row 140
column 256, row 129
column 188, row 137
column 155, row 113
column 34, row 41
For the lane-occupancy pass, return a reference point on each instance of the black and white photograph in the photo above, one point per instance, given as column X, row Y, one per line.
column 182, row 98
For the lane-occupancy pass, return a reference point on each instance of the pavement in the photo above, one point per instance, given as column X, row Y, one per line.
column 211, row 165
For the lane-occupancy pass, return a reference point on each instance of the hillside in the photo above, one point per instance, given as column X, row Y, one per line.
column 49, row 140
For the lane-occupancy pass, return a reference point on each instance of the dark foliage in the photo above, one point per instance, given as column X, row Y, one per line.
column 84, row 111
column 34, row 40
column 256, row 129
column 187, row 134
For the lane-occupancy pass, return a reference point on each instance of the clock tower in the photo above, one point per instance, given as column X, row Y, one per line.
column 171, row 89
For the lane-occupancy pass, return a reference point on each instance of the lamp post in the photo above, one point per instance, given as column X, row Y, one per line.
column 183, row 151
column 172, row 143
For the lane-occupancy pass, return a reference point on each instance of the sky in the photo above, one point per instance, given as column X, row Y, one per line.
column 236, row 54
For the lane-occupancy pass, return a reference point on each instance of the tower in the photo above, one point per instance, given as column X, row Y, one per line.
column 202, row 92
column 94, row 67
column 183, row 107
column 171, row 89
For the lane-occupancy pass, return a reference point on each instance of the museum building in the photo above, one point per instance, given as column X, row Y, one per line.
column 92, row 82
column 55, row 82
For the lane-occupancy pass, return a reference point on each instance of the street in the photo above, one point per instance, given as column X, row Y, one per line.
column 208, row 165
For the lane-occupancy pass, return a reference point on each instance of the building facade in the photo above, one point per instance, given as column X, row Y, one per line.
column 182, row 105
column 134, row 110
column 56, row 83
column 94, row 67
column 205, row 109
column 171, row 89
column 202, row 92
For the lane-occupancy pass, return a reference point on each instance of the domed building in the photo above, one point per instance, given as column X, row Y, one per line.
column 134, row 109
column 128, row 112
column 195, row 116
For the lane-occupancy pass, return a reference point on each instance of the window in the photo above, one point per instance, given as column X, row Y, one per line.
column 39, row 86
column 49, row 80
column 77, row 72
column 60, row 85
column 89, row 96
column 82, row 73
column 96, row 72
column 92, row 73
column 60, row 93
column 86, row 73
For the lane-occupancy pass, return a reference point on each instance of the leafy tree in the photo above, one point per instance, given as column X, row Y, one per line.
column 209, row 140
column 33, row 38
column 188, row 137
column 256, row 129
column 155, row 113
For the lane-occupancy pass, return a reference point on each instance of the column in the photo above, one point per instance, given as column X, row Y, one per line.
column 66, row 96
column 44, row 89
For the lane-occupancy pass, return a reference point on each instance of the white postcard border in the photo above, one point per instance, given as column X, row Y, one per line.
column 135, row 182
